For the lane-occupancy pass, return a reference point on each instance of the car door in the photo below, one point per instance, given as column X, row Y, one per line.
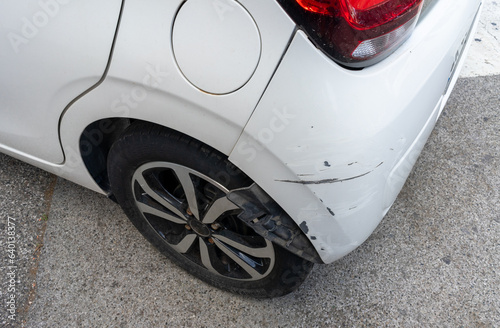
column 51, row 51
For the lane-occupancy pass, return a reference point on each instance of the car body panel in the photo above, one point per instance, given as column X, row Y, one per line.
column 338, row 144
column 51, row 54
column 200, row 25
column 144, row 82
column 332, row 146
column 150, row 69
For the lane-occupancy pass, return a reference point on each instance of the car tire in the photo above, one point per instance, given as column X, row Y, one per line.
column 173, row 188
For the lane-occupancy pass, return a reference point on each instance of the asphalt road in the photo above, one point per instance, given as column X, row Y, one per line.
column 433, row 261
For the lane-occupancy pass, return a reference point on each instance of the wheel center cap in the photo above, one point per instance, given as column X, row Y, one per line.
column 199, row 228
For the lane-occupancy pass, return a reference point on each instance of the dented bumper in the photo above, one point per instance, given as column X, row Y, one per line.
column 333, row 146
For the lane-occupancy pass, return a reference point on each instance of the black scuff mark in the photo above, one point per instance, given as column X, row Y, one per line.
column 324, row 180
column 334, row 180
column 327, row 164
column 313, row 237
column 446, row 259
column 350, row 209
column 352, row 163
column 330, row 210
column 304, row 227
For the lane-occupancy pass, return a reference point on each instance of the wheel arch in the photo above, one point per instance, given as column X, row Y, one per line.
column 99, row 136
column 105, row 111
column 94, row 146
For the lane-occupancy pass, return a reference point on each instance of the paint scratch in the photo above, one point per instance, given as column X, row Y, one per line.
column 334, row 180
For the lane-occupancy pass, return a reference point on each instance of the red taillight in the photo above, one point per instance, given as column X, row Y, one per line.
column 324, row 7
column 355, row 32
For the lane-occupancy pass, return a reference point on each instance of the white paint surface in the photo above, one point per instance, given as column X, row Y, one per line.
column 216, row 44
column 484, row 53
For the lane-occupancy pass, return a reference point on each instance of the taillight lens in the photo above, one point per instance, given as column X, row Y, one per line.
column 355, row 33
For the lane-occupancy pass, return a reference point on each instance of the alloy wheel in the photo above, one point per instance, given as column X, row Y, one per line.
column 192, row 215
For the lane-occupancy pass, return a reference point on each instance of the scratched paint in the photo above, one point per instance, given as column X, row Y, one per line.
column 334, row 180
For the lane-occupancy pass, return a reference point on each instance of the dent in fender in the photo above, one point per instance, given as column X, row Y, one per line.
column 269, row 220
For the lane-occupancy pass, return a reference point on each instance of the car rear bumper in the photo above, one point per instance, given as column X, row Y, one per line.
column 333, row 146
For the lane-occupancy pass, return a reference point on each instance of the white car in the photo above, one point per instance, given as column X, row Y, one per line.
column 245, row 139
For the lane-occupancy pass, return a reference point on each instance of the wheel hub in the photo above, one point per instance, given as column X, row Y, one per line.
column 199, row 228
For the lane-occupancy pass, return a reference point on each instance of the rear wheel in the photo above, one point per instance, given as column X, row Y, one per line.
column 173, row 188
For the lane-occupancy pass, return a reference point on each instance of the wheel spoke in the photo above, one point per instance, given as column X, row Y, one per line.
column 153, row 194
column 219, row 207
column 260, row 252
column 189, row 190
column 242, row 260
column 205, row 256
column 151, row 210
column 185, row 244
